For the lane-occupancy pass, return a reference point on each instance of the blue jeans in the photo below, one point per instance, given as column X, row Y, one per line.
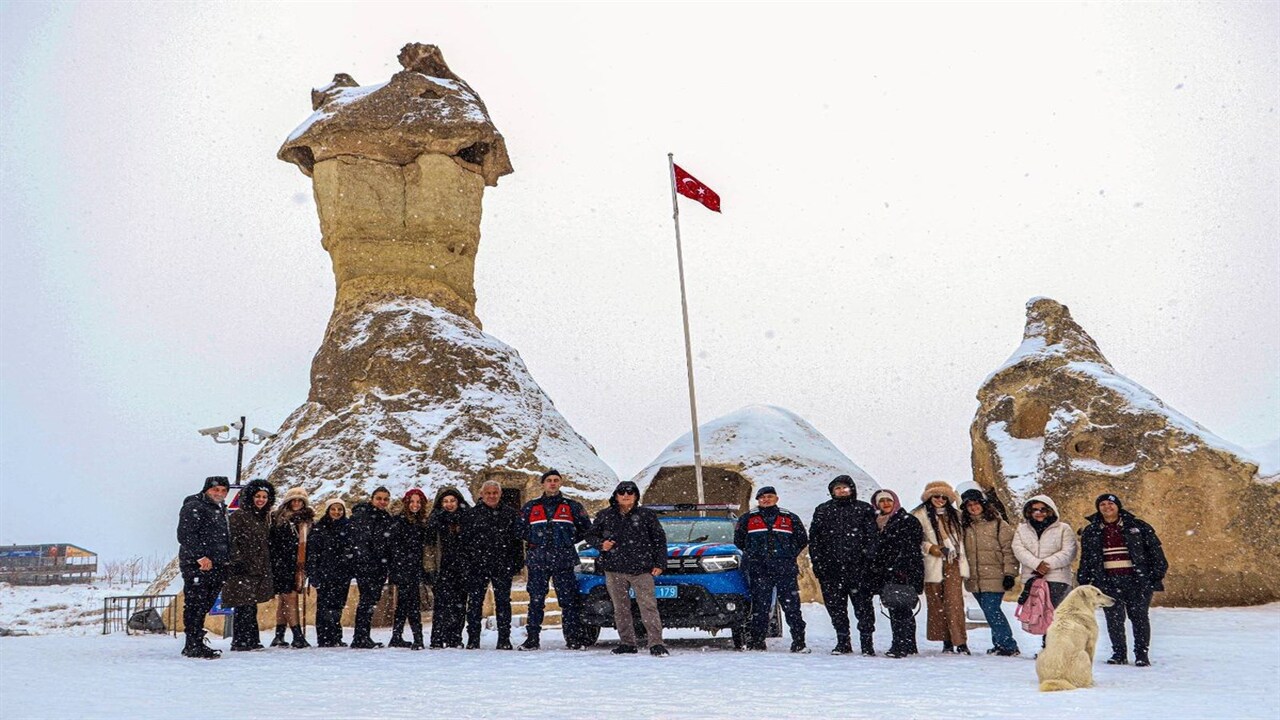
column 1001, row 635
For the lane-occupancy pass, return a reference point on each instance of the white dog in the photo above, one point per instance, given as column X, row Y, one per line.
column 1066, row 662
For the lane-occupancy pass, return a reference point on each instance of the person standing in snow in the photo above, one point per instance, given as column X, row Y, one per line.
column 204, row 549
column 290, row 524
column 408, row 542
column 633, row 551
column 449, row 608
column 771, row 539
column 842, row 539
column 493, row 539
column 988, row 544
column 370, row 546
column 898, row 562
column 249, row 580
column 946, row 566
column 1122, row 556
column 330, row 567
column 552, row 525
column 1045, row 547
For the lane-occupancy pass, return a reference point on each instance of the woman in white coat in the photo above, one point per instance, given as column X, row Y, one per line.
column 1045, row 547
column 945, row 566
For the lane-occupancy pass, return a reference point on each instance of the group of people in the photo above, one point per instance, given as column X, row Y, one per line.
column 943, row 547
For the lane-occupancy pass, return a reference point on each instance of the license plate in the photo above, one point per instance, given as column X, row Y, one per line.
column 659, row 591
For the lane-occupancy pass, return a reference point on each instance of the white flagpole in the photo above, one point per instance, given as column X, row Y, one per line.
column 688, row 346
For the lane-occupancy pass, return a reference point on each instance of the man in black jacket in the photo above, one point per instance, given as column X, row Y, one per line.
column 842, row 541
column 552, row 524
column 1121, row 556
column 633, row 551
column 492, row 531
column 204, row 550
column 371, row 550
column 771, row 539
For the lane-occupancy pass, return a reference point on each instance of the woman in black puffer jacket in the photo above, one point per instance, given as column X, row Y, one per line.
column 330, row 567
column 898, row 560
column 449, row 611
column 407, row 543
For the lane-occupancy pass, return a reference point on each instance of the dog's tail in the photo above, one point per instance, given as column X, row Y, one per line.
column 1056, row 684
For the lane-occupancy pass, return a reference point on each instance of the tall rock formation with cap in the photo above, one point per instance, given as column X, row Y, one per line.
column 406, row 389
column 1057, row 418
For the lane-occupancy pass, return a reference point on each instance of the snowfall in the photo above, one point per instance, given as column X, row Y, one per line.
column 1209, row 663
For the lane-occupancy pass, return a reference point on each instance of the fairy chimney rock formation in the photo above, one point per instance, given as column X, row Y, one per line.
column 406, row 389
column 1057, row 418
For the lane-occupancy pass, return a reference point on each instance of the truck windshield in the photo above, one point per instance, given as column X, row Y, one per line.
column 687, row 530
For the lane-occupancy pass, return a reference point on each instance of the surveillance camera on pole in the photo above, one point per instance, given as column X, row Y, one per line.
column 262, row 435
column 215, row 433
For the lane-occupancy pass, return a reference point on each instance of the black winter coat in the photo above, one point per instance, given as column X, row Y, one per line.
column 249, row 579
column 329, row 557
column 898, row 558
column 1145, row 552
column 641, row 543
column 445, row 528
column 408, row 543
column 494, row 539
column 842, row 540
column 370, row 542
column 202, row 532
column 286, row 527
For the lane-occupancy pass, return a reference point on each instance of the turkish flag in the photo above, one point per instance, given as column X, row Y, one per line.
column 690, row 187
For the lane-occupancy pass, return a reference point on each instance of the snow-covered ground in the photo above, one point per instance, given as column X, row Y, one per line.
column 1210, row 663
column 59, row 609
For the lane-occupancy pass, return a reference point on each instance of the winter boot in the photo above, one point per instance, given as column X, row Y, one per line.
column 843, row 647
column 962, row 649
column 279, row 640
column 868, row 647
column 473, row 642
column 625, row 650
column 947, row 647
column 1119, row 657
column 299, row 638
column 1140, row 659
column 364, row 642
column 798, row 646
column 658, row 650
column 397, row 636
column 417, row 639
column 895, row 652
column 504, row 640
column 530, row 642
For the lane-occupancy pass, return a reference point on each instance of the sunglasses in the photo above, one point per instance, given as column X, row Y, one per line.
column 625, row 492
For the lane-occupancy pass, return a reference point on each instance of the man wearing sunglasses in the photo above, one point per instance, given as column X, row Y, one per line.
column 633, row 551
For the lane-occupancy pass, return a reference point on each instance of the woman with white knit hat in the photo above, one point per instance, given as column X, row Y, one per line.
column 945, row 566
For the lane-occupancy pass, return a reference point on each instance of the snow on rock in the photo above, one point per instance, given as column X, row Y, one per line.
column 1057, row 418
column 1267, row 457
column 767, row 445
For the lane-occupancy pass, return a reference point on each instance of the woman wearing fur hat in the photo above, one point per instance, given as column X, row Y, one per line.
column 946, row 566
column 988, row 543
column 330, row 567
column 449, row 610
column 1045, row 547
column 897, row 560
column 408, row 542
column 290, row 524
column 249, row 582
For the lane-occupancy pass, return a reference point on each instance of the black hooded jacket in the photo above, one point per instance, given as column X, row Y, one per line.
column 370, row 541
column 494, row 538
column 843, row 537
column 203, row 532
column 408, row 542
column 445, row 528
column 329, row 557
column 640, row 542
column 1145, row 552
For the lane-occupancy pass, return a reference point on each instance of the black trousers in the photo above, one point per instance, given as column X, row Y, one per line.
column 199, row 589
column 449, row 609
column 370, row 593
column 244, row 628
column 763, row 585
column 408, row 608
column 476, row 586
column 1133, row 599
column 331, row 598
column 902, row 622
column 539, row 581
column 837, row 593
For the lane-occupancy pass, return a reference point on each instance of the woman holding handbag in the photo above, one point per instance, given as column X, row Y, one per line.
column 899, row 569
column 1045, row 547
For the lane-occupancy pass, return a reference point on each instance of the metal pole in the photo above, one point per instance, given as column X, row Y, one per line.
column 240, row 451
column 688, row 346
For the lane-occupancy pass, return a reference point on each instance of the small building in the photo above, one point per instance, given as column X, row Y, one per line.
column 54, row 564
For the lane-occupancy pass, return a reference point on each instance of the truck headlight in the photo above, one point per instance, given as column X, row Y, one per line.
column 586, row 566
column 719, row 563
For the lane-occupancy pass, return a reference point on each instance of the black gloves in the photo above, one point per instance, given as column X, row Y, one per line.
column 1008, row 582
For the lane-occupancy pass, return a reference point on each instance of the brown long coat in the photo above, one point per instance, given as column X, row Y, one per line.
column 988, row 544
column 249, row 581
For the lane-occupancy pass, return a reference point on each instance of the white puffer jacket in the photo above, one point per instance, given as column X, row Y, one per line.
column 933, row 565
column 1057, row 546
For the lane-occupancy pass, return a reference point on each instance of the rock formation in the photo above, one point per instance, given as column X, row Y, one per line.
column 406, row 390
column 744, row 450
column 1057, row 418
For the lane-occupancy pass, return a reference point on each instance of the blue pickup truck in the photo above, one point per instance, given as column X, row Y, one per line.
column 703, row 586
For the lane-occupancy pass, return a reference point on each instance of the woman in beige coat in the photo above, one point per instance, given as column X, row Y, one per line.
column 988, row 543
column 945, row 566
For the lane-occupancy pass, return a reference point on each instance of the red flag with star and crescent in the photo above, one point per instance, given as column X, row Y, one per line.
column 692, row 188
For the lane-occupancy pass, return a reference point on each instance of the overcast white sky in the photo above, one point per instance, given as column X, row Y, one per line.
column 897, row 181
